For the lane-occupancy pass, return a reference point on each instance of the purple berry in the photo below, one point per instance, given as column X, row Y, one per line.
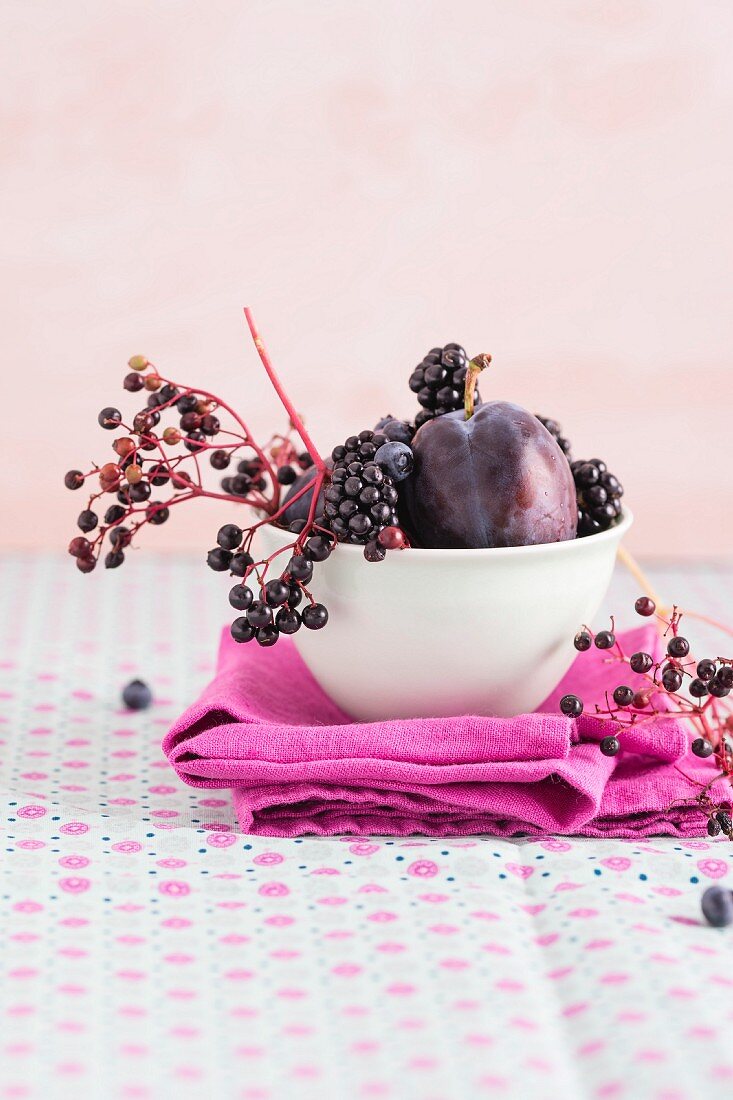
column 137, row 695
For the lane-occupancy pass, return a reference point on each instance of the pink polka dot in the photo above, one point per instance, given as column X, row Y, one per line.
column 346, row 970
column 268, row 859
column 127, row 847
column 173, row 889
column 74, row 884
column 74, row 863
column 713, row 868
column 423, row 868
column 616, row 863
column 32, row 812
column 221, row 840
column 273, row 890
column 27, row 906
column 519, row 870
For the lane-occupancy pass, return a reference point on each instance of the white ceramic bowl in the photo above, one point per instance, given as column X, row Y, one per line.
column 444, row 632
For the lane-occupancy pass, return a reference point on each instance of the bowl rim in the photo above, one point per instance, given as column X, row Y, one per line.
column 569, row 546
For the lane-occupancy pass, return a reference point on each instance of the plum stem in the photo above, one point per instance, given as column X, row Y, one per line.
column 477, row 364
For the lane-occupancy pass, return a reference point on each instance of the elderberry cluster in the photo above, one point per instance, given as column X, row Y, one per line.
column 274, row 611
column 669, row 674
column 145, row 459
column 720, row 822
column 361, row 501
column 439, row 382
column 250, row 473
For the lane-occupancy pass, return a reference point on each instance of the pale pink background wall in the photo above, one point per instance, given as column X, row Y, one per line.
column 547, row 181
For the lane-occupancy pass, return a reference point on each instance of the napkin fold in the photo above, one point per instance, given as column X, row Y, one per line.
column 298, row 765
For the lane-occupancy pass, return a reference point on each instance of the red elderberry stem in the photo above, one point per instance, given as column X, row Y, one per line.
column 296, row 420
column 249, row 439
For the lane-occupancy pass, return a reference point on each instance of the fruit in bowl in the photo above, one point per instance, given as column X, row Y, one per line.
column 440, row 632
column 485, row 540
column 497, row 478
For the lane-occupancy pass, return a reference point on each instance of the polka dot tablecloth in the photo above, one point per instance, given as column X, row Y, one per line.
column 151, row 950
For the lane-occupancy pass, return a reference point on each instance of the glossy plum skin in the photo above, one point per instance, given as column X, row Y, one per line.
column 299, row 508
column 498, row 479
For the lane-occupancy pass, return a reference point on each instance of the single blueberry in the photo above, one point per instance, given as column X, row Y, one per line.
column 137, row 695
column 396, row 459
column 717, row 906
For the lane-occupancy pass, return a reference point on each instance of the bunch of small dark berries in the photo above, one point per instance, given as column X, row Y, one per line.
column 272, row 608
column 675, row 684
column 149, row 457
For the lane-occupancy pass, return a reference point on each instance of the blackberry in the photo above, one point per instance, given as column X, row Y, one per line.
column 439, row 381
column 599, row 496
column 361, row 498
column 555, row 431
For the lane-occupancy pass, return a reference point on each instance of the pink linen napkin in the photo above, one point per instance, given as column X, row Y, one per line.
column 298, row 765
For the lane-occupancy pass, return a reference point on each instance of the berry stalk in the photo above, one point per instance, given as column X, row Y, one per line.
column 296, row 420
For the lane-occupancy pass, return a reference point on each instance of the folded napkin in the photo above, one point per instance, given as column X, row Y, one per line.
column 298, row 765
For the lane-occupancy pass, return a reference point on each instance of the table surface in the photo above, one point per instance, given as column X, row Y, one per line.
column 150, row 948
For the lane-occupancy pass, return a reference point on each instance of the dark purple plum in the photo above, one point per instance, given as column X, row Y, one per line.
column 299, row 508
column 496, row 479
